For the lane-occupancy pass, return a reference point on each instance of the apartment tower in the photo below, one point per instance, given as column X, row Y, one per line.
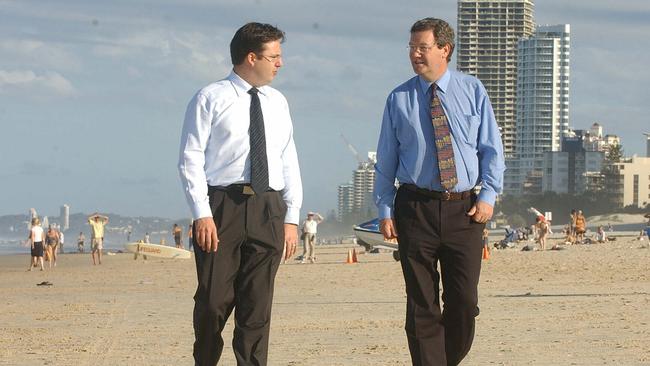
column 542, row 104
column 488, row 34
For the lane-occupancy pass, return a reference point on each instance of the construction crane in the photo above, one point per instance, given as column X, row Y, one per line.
column 354, row 151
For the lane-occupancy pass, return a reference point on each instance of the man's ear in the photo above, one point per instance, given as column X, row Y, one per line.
column 251, row 58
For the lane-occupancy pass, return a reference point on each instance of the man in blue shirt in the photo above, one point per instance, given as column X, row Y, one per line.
column 440, row 140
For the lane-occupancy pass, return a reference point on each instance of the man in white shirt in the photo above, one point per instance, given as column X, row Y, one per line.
column 309, row 230
column 61, row 240
column 239, row 170
column 97, row 223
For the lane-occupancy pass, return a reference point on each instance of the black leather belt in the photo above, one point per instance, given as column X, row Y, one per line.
column 442, row 196
column 242, row 188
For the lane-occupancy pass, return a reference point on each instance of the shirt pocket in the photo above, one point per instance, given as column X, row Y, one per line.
column 467, row 126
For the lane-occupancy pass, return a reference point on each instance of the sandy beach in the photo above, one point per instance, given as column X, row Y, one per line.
column 585, row 305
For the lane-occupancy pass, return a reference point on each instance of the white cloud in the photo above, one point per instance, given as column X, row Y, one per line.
column 191, row 52
column 38, row 54
column 49, row 81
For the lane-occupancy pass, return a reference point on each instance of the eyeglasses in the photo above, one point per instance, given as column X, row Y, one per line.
column 419, row 49
column 271, row 59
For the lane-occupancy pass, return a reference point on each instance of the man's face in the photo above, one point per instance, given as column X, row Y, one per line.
column 427, row 59
column 267, row 63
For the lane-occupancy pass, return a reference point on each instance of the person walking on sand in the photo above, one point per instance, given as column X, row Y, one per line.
column 36, row 237
column 309, row 230
column 51, row 245
column 80, row 242
column 61, row 239
column 440, row 140
column 239, row 171
column 542, row 232
column 177, row 231
column 97, row 223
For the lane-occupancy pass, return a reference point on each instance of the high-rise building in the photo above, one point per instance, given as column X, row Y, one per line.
column 346, row 201
column 488, row 33
column 364, row 182
column 542, row 103
column 64, row 217
column 355, row 198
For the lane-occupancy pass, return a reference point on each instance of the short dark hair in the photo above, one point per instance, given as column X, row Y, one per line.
column 442, row 32
column 251, row 38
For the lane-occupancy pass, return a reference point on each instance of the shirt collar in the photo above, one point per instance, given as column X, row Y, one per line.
column 242, row 86
column 442, row 83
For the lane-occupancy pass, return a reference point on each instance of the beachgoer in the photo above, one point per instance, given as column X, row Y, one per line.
column 309, row 229
column 572, row 221
column 80, row 242
column 36, row 237
column 61, row 240
column 97, row 223
column 542, row 232
column 146, row 238
column 177, row 231
column 580, row 226
column 51, row 245
column 601, row 237
column 190, row 246
column 439, row 139
column 239, row 170
column 486, row 240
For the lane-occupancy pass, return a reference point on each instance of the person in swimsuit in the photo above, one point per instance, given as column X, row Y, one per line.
column 51, row 244
column 178, row 236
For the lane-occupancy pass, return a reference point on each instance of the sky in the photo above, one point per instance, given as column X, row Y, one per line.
column 93, row 94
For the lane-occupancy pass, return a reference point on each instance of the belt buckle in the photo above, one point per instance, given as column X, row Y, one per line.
column 247, row 190
column 446, row 196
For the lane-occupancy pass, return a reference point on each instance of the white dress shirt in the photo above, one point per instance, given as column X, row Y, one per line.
column 215, row 144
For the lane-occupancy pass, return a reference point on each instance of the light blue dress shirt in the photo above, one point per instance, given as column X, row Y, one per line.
column 407, row 152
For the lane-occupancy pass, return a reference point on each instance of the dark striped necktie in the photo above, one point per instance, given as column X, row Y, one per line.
column 259, row 164
column 446, row 163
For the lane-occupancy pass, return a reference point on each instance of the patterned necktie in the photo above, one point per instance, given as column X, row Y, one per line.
column 446, row 164
column 259, row 164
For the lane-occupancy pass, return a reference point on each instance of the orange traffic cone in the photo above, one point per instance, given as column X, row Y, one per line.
column 350, row 258
column 354, row 256
column 486, row 252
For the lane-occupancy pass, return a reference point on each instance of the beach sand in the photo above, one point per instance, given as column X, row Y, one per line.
column 586, row 305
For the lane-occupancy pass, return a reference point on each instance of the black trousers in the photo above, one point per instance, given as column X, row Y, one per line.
column 239, row 275
column 433, row 232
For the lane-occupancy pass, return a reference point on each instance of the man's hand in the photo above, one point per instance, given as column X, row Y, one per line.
column 481, row 212
column 387, row 227
column 290, row 240
column 206, row 234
